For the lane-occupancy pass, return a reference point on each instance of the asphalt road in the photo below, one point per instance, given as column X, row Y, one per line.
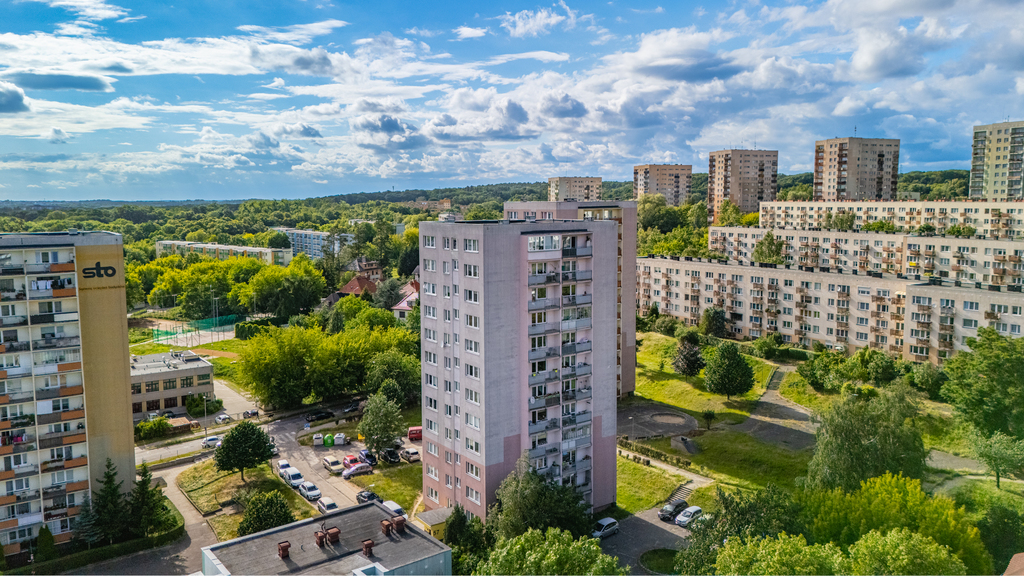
column 640, row 533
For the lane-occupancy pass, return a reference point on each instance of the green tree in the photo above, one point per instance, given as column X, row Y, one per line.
column 46, row 547
column 860, row 439
column 285, row 292
column 666, row 325
column 766, row 347
column 1001, row 453
column 388, row 294
column 278, row 240
column 787, row 554
column 845, row 220
column 961, row 230
column 727, row 372
column 879, row 226
column 373, row 318
column 145, row 504
column 712, row 322
column 392, row 364
column 751, row 220
column 1002, row 531
column 334, row 319
column 382, row 423
column 728, row 214
column 276, row 364
column 800, row 192
column 698, row 215
column 110, row 505
column 770, row 250
column 412, row 321
column 551, row 552
column 925, row 230
column 245, row 446
column 264, row 511
column 392, row 391
column 901, row 551
column 928, row 378
column 87, row 528
column 688, row 361
column 984, row 384
column 708, row 416
column 134, row 293
column 468, row 540
column 527, row 500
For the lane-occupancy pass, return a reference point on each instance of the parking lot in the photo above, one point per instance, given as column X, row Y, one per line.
column 640, row 533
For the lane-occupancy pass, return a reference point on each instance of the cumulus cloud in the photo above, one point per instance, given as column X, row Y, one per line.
column 297, row 34
column 33, row 81
column 297, row 130
column 467, row 32
column 88, row 9
column 277, row 83
column 417, row 31
column 12, row 99
column 526, row 23
column 56, row 136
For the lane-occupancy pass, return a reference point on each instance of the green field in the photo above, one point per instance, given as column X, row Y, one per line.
column 640, row 487
column 658, row 382
column 796, row 389
column 399, row 482
column 210, row 490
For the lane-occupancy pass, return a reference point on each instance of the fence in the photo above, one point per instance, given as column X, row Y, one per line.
column 192, row 329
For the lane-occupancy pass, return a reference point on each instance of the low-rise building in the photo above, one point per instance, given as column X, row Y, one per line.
column 362, row 540
column 270, row 256
column 162, row 382
column 312, row 242
column 356, row 286
column 369, row 268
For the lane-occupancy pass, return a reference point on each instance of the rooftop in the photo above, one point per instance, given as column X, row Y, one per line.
column 258, row 553
column 167, row 362
column 67, row 238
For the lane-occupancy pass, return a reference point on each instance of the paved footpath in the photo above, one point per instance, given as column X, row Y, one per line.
column 779, row 421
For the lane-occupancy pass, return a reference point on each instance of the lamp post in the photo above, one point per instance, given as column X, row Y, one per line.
column 632, row 434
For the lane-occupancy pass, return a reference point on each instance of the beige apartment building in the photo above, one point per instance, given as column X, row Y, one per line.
column 269, row 256
column 578, row 188
column 164, row 382
column 63, row 372
column 920, row 320
column 746, row 177
column 991, row 219
column 996, row 155
column 625, row 214
column 669, row 180
column 856, row 168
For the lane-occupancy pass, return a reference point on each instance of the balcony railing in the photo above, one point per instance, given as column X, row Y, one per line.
column 577, row 252
column 541, row 353
column 577, row 418
column 543, row 425
column 580, row 369
column 543, row 450
column 544, row 377
column 577, row 347
column 14, row 346
column 577, row 300
column 58, row 392
column 64, row 342
column 52, row 318
column 577, row 394
column 544, row 401
column 12, row 321
column 577, row 324
column 543, row 328
column 577, row 276
column 538, row 279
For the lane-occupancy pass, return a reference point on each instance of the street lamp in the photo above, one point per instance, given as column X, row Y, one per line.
column 632, row 434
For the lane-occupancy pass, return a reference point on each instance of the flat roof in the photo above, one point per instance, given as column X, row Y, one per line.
column 257, row 553
column 167, row 362
column 67, row 238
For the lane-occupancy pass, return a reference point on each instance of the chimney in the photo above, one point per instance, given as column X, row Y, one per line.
column 399, row 523
column 333, row 534
column 321, row 538
column 385, row 527
column 282, row 549
column 368, row 548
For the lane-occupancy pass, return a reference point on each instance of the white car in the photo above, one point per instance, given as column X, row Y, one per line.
column 222, row 419
column 604, row 528
column 686, row 517
column 309, row 491
column 293, row 477
column 282, row 464
column 211, row 441
column 326, row 505
column 395, row 508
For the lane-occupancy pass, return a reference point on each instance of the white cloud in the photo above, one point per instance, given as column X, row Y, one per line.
column 658, row 10
column 88, row 9
column 466, row 32
column 297, row 34
column 130, row 19
column 12, row 99
column 56, row 136
column 535, row 23
column 417, row 31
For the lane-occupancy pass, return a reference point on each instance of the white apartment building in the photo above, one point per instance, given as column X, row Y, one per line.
column 312, row 242
column 163, row 382
column 996, row 155
column 669, row 180
column 994, row 220
column 512, row 361
column 625, row 215
column 578, row 188
column 856, row 168
column 746, row 177
column 269, row 256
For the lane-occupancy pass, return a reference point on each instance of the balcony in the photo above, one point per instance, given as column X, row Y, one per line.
column 923, row 341
column 541, row 353
column 577, row 300
column 878, row 299
column 52, row 465
column 64, row 342
column 542, row 304
column 52, row 318
column 989, row 315
column 543, row 425
column 895, row 316
column 63, row 416
column 12, row 321
column 577, row 394
column 945, row 344
column 68, row 292
column 844, row 306
column 543, row 328
column 577, row 347
column 842, row 339
column 580, row 369
column 578, row 324
column 577, row 418
column 550, row 472
column 540, row 279
column 924, row 308
column 577, row 252
column 577, row 276
column 14, row 346
column 799, row 332
column 543, row 450
column 843, row 325
column 543, row 377
column 896, row 348
column 544, row 401
column 57, row 392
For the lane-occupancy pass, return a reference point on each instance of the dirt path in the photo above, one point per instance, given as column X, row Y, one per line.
column 779, row 421
column 208, row 352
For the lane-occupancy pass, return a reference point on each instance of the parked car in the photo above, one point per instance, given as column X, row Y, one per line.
column 395, row 508
column 350, row 461
column 167, row 414
column 333, row 465
column 669, row 511
column 391, row 456
column 211, row 441
column 415, row 433
column 222, row 419
column 251, row 413
column 367, row 496
column 605, row 527
column 274, row 450
column 351, row 407
column 410, row 455
column 309, row 491
column 282, row 465
column 368, row 457
column 689, row 515
column 292, row 476
column 357, row 470
column 319, row 415
column 326, row 505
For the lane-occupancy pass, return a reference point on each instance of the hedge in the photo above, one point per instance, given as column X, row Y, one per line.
column 250, row 328
column 654, row 453
column 86, row 557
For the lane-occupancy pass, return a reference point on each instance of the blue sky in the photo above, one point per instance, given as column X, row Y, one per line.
column 298, row 98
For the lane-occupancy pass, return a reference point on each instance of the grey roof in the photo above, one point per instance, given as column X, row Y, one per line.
column 167, row 363
column 257, row 553
column 435, row 516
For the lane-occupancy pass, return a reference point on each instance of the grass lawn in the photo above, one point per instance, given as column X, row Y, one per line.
column 411, row 416
column 940, row 431
column 210, row 489
column 399, row 482
column 796, row 389
column 230, row 345
column 977, row 496
column 223, row 369
column 659, row 560
column 736, row 459
column 225, row 526
column 640, row 487
column 657, row 381
column 150, row 348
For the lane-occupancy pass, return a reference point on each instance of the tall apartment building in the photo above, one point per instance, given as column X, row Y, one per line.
column 312, row 242
column 669, row 180
column 269, row 256
column 856, row 168
column 64, row 373
column 991, row 219
column 924, row 321
column 512, row 361
column 996, row 156
column 578, row 188
column 625, row 214
column 746, row 177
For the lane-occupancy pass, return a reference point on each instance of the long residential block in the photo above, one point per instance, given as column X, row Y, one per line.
column 270, row 256
column 312, row 242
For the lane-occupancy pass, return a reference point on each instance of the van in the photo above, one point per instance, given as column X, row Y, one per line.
column 395, row 508
column 415, row 433
column 293, row 477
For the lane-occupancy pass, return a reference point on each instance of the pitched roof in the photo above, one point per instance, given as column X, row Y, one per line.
column 357, row 285
column 408, row 302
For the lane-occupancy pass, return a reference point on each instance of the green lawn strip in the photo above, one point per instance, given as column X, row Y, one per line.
column 796, row 389
column 225, row 526
column 229, row 345
column 210, row 490
column 656, row 380
column 659, row 560
column 399, row 482
column 411, row 416
column 150, row 348
column 640, row 487
column 192, row 454
column 977, row 496
column 227, row 372
column 941, row 432
column 736, row 459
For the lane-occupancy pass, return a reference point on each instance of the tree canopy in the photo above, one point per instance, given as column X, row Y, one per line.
column 525, row 501
column 244, row 446
column 984, row 383
column 727, row 372
column 551, row 552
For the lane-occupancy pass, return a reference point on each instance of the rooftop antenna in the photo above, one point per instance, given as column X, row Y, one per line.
column 854, row 130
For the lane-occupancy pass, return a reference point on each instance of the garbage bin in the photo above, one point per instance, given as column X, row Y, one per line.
column 318, row 439
column 329, row 440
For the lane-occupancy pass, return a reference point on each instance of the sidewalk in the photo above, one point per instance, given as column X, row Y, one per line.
column 698, row 480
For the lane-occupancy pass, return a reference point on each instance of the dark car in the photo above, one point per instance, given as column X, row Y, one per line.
column 669, row 511
column 368, row 457
column 251, row 413
column 367, row 496
column 351, row 407
column 319, row 415
column 391, row 456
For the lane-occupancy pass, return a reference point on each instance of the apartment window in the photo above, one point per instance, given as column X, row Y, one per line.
column 431, row 403
column 430, row 288
column 473, row 495
column 432, row 494
column 970, row 305
column 472, row 321
column 429, row 265
column 471, row 245
column 431, row 448
column 471, row 271
column 430, row 357
column 473, row 470
column 472, row 346
column 472, row 396
column 202, row 378
column 447, row 386
column 472, row 445
column 136, row 407
column 152, row 405
column 430, row 312
column 136, row 387
column 428, row 241
column 430, row 334
column 153, row 386
column 430, row 380
column 186, row 382
column 171, row 402
column 432, row 472
column 432, row 426
column 472, row 421
column 472, row 371
column 471, row 295
column 968, row 323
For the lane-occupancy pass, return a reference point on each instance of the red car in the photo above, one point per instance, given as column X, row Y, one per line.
column 350, row 461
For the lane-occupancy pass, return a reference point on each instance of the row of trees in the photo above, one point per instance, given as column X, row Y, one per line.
column 101, row 520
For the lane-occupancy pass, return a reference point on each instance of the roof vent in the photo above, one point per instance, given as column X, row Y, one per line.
column 282, row 549
column 321, row 538
column 333, row 534
column 385, row 527
column 368, row 548
column 399, row 523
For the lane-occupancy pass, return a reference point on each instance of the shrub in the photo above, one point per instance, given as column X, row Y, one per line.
column 666, row 325
column 148, row 429
column 654, row 453
column 194, row 406
column 248, row 329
